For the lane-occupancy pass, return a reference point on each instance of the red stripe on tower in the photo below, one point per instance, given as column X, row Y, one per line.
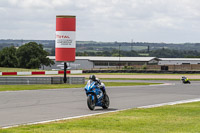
column 66, row 23
column 65, row 38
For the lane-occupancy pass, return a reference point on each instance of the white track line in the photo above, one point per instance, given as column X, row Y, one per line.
column 136, row 86
column 81, row 116
column 171, row 103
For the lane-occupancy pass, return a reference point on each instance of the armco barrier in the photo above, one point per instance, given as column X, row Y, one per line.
column 39, row 80
column 76, row 80
column 24, row 80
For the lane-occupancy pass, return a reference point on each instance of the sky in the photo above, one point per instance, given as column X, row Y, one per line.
column 168, row 21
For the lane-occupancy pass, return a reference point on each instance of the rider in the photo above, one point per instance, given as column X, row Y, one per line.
column 184, row 78
column 101, row 85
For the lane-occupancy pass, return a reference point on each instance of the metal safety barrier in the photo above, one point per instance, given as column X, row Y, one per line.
column 40, row 80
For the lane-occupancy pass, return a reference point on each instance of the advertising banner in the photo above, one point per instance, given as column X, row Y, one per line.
column 65, row 49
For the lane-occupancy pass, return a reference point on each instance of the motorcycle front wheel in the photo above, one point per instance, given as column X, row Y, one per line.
column 91, row 102
column 106, row 102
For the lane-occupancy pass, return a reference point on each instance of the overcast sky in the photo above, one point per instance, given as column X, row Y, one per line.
column 174, row 21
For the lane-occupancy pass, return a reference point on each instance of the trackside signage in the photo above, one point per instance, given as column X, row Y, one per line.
column 65, row 38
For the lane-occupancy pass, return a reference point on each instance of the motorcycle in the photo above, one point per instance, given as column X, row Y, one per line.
column 95, row 96
column 185, row 80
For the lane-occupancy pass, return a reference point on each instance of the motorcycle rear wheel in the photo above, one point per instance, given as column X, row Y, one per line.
column 90, row 102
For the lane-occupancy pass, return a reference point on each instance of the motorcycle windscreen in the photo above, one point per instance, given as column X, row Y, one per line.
column 90, row 84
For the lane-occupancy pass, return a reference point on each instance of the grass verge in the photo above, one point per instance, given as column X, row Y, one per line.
column 166, row 79
column 6, row 69
column 58, row 86
column 140, row 79
column 134, row 74
column 174, row 119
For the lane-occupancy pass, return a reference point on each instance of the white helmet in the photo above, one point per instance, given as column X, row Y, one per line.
column 102, row 84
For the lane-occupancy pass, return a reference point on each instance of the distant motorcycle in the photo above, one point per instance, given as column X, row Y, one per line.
column 185, row 80
column 95, row 96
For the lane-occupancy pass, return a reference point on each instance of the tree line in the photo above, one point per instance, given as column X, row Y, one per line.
column 160, row 53
column 32, row 55
column 29, row 55
column 114, row 52
column 170, row 53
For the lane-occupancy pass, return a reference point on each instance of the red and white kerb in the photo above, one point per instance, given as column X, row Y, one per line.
column 65, row 38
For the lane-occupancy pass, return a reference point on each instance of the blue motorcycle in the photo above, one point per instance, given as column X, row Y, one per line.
column 95, row 96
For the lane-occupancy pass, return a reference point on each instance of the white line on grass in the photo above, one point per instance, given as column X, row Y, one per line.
column 81, row 116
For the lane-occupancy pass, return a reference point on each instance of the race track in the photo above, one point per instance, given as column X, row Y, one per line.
column 23, row 107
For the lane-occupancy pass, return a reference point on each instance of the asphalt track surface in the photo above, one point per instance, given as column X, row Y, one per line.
column 23, row 107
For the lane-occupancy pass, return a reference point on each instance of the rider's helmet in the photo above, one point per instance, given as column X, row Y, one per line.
column 98, row 80
column 92, row 77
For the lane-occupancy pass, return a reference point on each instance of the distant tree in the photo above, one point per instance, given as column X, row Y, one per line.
column 32, row 55
column 165, row 53
column 114, row 52
column 191, row 54
column 8, row 57
column 170, row 53
column 129, row 53
column 53, row 51
column 106, row 53
column 115, row 55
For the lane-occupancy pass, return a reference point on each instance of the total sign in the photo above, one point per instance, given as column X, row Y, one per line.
column 65, row 38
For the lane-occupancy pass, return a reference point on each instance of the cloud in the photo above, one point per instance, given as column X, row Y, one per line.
column 104, row 20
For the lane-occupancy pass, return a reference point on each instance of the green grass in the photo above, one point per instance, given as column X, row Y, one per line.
column 7, row 69
column 182, row 118
column 36, row 87
column 171, row 79
column 143, row 54
column 132, row 74
column 59, row 86
column 141, row 79
column 146, row 79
